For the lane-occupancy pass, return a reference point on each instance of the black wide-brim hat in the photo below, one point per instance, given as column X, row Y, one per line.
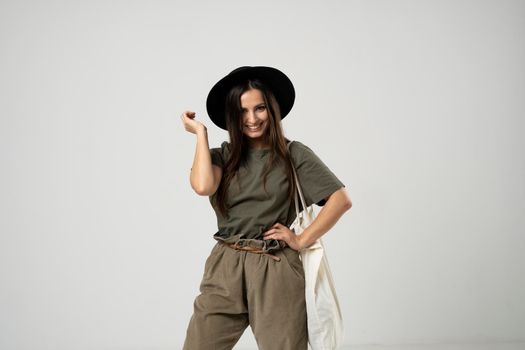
column 276, row 80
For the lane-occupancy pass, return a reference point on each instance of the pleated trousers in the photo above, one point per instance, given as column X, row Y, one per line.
column 241, row 289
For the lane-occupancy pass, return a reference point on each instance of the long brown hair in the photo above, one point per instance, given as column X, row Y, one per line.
column 239, row 144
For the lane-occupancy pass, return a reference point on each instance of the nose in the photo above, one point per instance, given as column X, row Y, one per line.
column 250, row 117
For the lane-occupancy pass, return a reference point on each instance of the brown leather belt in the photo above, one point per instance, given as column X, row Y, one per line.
column 252, row 250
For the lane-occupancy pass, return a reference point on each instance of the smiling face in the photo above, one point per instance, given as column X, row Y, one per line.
column 255, row 118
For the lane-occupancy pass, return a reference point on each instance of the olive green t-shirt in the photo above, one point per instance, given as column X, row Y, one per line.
column 252, row 211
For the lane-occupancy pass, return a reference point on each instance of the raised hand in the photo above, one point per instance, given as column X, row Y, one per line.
column 190, row 124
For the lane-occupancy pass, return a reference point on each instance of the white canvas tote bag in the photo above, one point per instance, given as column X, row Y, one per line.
column 325, row 322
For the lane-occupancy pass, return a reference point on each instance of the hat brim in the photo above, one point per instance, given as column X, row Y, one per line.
column 276, row 80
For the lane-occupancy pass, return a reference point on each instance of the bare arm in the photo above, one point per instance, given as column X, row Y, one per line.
column 336, row 205
column 204, row 176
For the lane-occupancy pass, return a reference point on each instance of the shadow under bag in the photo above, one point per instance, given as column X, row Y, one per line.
column 325, row 322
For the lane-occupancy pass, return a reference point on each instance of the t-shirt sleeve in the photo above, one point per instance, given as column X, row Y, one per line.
column 216, row 156
column 316, row 179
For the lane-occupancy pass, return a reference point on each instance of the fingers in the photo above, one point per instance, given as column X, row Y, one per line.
column 188, row 114
column 275, row 233
column 269, row 232
column 275, row 228
column 282, row 233
column 189, row 122
column 272, row 234
column 278, row 236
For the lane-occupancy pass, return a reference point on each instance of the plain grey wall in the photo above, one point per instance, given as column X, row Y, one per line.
column 417, row 106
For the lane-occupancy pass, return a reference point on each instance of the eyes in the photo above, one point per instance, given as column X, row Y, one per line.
column 258, row 108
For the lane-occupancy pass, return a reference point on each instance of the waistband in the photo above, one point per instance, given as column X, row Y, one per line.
column 250, row 244
column 250, row 249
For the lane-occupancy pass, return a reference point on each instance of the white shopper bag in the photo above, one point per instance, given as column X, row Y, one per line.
column 325, row 322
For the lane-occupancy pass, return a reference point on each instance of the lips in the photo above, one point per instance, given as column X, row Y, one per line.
column 254, row 127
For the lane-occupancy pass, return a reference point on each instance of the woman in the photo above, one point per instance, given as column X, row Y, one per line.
column 254, row 275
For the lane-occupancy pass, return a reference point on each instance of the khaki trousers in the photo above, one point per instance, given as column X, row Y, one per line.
column 241, row 288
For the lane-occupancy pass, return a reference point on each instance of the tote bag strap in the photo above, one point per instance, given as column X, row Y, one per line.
column 298, row 185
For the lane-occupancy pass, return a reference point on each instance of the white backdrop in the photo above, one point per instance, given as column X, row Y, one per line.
column 417, row 106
